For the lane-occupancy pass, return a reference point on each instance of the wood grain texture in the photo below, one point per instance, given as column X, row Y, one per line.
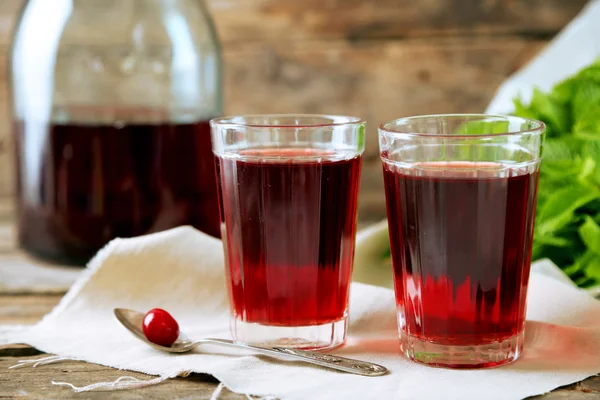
column 379, row 59
column 36, row 383
column 9, row 10
column 286, row 20
column 26, row 309
column 6, row 210
column 377, row 80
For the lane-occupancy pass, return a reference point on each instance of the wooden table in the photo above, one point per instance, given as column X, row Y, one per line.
column 379, row 59
column 36, row 383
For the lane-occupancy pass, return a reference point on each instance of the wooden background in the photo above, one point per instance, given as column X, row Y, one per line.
column 379, row 59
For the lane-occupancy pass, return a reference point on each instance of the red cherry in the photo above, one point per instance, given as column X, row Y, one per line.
column 160, row 327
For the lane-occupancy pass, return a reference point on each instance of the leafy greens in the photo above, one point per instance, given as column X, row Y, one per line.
column 567, row 227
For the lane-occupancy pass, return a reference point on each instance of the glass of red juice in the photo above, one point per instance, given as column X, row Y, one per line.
column 461, row 193
column 288, row 187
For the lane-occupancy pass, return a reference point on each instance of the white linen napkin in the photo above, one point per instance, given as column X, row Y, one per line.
column 182, row 270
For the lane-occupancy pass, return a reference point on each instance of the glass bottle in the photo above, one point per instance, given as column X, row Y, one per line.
column 111, row 103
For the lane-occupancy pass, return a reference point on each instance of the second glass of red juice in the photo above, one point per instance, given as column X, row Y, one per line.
column 461, row 195
column 288, row 187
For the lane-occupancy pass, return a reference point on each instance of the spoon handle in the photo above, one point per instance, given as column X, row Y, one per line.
column 325, row 360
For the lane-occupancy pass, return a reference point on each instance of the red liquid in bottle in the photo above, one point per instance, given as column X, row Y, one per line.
column 88, row 184
column 290, row 225
column 461, row 248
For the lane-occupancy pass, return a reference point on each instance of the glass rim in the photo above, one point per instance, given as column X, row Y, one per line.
column 336, row 120
column 538, row 128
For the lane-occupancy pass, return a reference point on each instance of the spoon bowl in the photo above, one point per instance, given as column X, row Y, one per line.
column 133, row 320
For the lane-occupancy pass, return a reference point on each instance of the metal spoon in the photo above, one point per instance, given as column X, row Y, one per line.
column 132, row 320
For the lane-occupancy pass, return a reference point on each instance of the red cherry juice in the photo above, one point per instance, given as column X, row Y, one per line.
column 289, row 228
column 461, row 236
column 98, row 182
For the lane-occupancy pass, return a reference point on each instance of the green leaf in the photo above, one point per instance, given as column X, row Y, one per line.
column 591, row 148
column 592, row 269
column 586, row 268
column 574, row 269
column 585, row 282
column 524, row 111
column 590, row 73
column 552, row 241
column 560, row 171
column 567, row 229
column 586, row 104
column 483, row 127
column 560, row 207
column 361, row 136
column 590, row 234
column 565, row 90
column 559, row 256
column 564, row 148
column 554, row 113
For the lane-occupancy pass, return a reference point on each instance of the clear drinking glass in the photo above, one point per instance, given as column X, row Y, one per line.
column 288, row 187
column 461, row 194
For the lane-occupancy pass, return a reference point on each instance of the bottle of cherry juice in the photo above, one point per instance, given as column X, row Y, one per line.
column 111, row 107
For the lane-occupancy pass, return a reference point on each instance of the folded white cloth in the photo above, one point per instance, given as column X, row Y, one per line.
column 181, row 270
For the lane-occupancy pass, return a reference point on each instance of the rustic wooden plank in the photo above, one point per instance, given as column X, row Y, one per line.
column 6, row 208
column 564, row 394
column 377, row 80
column 591, row 385
column 35, row 383
column 26, row 309
column 285, row 20
column 9, row 10
column 18, row 350
column 6, row 151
